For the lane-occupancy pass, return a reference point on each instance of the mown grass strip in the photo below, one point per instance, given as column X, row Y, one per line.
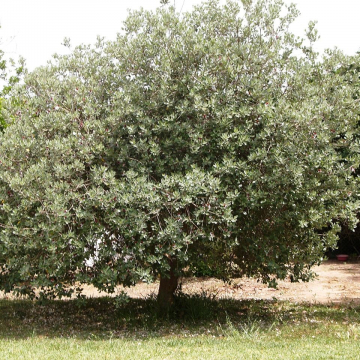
column 199, row 347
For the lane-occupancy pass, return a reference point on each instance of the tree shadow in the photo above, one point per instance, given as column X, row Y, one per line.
column 102, row 318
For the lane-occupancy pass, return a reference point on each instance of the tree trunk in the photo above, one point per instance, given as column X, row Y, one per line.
column 167, row 288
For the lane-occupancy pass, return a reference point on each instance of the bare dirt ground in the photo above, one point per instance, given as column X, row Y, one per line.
column 337, row 282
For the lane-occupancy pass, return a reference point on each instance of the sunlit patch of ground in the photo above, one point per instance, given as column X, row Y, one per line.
column 337, row 282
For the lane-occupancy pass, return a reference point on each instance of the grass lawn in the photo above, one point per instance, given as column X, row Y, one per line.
column 200, row 328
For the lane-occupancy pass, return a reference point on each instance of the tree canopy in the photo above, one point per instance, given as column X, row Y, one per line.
column 205, row 140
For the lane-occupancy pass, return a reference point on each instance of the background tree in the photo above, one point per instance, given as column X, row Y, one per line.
column 207, row 139
column 2, row 75
column 10, row 74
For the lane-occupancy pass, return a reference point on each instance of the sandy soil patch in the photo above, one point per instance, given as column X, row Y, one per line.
column 337, row 282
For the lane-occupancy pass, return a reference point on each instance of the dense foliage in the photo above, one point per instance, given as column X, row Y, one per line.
column 207, row 140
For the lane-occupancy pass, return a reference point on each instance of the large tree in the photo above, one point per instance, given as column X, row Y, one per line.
column 204, row 139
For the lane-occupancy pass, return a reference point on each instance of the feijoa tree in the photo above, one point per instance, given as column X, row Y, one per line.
column 203, row 139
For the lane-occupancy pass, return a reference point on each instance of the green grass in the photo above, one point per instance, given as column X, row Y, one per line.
column 199, row 328
column 179, row 348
